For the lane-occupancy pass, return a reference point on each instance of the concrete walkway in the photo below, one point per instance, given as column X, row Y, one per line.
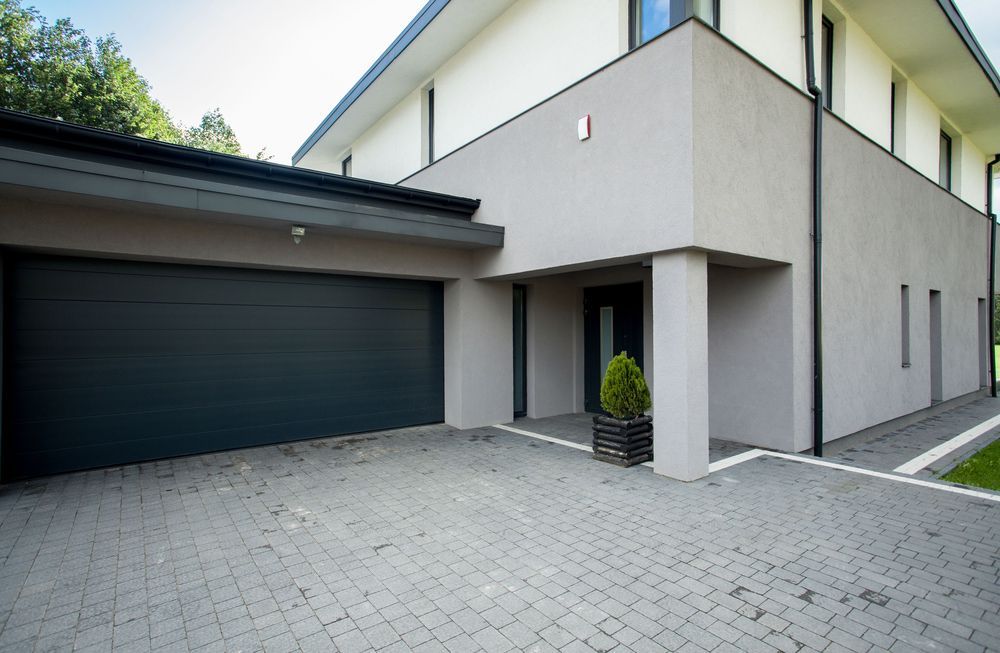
column 429, row 539
column 887, row 451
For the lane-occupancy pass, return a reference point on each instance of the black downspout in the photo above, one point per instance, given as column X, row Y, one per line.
column 993, row 262
column 817, row 216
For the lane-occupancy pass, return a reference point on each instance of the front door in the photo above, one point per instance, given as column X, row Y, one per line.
column 612, row 323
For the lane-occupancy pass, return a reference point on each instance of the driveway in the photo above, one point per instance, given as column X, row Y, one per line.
column 430, row 539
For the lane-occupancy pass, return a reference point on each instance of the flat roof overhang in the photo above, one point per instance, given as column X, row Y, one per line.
column 38, row 155
column 930, row 42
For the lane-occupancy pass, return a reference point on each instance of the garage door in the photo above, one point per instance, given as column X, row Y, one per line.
column 111, row 362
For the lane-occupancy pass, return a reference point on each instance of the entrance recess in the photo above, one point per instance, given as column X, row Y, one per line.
column 612, row 323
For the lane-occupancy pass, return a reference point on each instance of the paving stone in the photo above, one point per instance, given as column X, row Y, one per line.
column 306, row 550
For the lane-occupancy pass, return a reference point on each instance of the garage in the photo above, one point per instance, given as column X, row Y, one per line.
column 110, row 362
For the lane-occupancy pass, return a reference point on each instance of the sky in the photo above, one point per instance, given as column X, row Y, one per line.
column 276, row 69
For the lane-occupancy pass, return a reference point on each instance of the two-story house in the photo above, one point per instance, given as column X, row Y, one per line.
column 650, row 177
column 651, row 163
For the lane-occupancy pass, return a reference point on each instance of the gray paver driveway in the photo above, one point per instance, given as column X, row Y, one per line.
column 432, row 539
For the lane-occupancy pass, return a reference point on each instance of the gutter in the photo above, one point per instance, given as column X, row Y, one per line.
column 20, row 129
column 992, row 275
column 817, row 228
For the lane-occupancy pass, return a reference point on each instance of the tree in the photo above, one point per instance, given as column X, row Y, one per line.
column 213, row 133
column 56, row 71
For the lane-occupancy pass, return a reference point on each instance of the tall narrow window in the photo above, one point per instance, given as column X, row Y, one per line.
column 944, row 161
column 520, row 352
column 430, row 125
column 346, row 167
column 650, row 18
column 904, row 320
column 892, row 117
column 607, row 337
column 826, row 61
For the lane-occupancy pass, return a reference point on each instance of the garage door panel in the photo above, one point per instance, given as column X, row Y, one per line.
column 46, row 374
column 282, row 415
column 51, row 314
column 93, row 400
column 113, row 362
column 99, row 453
column 95, row 286
column 45, row 344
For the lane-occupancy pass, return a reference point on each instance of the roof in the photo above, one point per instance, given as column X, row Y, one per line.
column 52, row 155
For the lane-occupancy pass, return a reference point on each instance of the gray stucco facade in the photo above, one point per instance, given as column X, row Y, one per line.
column 700, row 170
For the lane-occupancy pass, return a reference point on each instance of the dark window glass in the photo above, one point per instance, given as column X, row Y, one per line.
column 944, row 162
column 520, row 353
column 430, row 125
column 345, row 167
column 892, row 117
column 826, row 61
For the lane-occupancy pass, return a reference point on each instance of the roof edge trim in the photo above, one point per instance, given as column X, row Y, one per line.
column 28, row 128
column 958, row 22
column 423, row 18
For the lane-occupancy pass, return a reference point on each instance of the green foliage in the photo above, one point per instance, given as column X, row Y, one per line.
column 624, row 392
column 214, row 134
column 982, row 470
column 996, row 318
column 56, row 71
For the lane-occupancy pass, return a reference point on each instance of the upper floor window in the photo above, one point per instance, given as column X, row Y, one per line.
column 345, row 166
column 427, row 137
column 650, row 18
column 944, row 161
column 826, row 62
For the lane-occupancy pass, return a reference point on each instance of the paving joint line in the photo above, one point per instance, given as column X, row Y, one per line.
column 758, row 453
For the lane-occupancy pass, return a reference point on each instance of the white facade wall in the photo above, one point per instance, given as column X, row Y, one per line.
column 533, row 50
column 391, row 149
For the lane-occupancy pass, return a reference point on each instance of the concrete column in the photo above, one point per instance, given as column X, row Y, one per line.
column 680, row 365
column 478, row 353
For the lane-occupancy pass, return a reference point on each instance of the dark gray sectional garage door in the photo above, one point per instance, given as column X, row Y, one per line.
column 111, row 362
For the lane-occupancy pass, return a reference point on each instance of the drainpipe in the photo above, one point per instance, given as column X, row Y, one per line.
column 817, row 228
column 993, row 262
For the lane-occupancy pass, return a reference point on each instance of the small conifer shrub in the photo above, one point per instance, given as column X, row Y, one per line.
column 624, row 393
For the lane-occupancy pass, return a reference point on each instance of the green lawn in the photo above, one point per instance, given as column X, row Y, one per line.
column 982, row 470
column 996, row 359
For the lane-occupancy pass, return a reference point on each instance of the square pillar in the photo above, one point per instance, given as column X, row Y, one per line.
column 680, row 365
column 478, row 353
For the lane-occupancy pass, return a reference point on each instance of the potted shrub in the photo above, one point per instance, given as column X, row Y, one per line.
column 624, row 436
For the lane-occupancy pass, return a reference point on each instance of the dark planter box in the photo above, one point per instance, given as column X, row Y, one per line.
column 623, row 442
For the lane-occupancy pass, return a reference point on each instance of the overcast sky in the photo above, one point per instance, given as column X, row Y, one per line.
column 277, row 68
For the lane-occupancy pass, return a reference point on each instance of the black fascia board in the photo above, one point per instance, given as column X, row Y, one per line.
column 29, row 131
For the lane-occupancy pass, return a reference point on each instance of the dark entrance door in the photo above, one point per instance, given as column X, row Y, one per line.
column 110, row 362
column 612, row 323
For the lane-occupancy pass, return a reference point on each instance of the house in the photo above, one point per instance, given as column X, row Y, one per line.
column 645, row 183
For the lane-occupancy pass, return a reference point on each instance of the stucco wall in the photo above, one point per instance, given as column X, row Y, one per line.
column 752, row 154
column 885, row 226
column 564, row 202
column 750, row 355
column 532, row 50
column 390, row 149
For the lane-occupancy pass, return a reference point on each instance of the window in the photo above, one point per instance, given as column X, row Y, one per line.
column 944, row 161
column 345, row 166
column 904, row 319
column 892, row 117
column 650, row 18
column 430, row 125
column 826, row 62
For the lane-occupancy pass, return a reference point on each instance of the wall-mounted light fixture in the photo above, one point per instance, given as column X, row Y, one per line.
column 298, row 233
